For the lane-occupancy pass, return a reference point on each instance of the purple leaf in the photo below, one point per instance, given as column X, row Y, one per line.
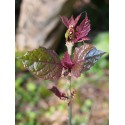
column 59, row 94
column 66, row 61
column 65, row 21
column 76, row 33
column 82, row 34
column 79, row 57
column 43, row 63
column 82, row 30
column 86, row 38
column 91, row 58
column 71, row 21
column 77, row 18
column 85, row 24
column 84, row 58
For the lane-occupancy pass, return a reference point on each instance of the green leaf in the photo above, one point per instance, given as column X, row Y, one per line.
column 43, row 63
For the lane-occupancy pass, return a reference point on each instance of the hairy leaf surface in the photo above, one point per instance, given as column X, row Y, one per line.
column 84, row 58
column 43, row 63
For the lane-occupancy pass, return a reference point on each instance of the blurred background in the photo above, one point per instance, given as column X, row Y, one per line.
column 37, row 23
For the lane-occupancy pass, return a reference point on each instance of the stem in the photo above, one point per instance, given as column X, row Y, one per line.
column 70, row 106
column 69, row 46
column 69, row 114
